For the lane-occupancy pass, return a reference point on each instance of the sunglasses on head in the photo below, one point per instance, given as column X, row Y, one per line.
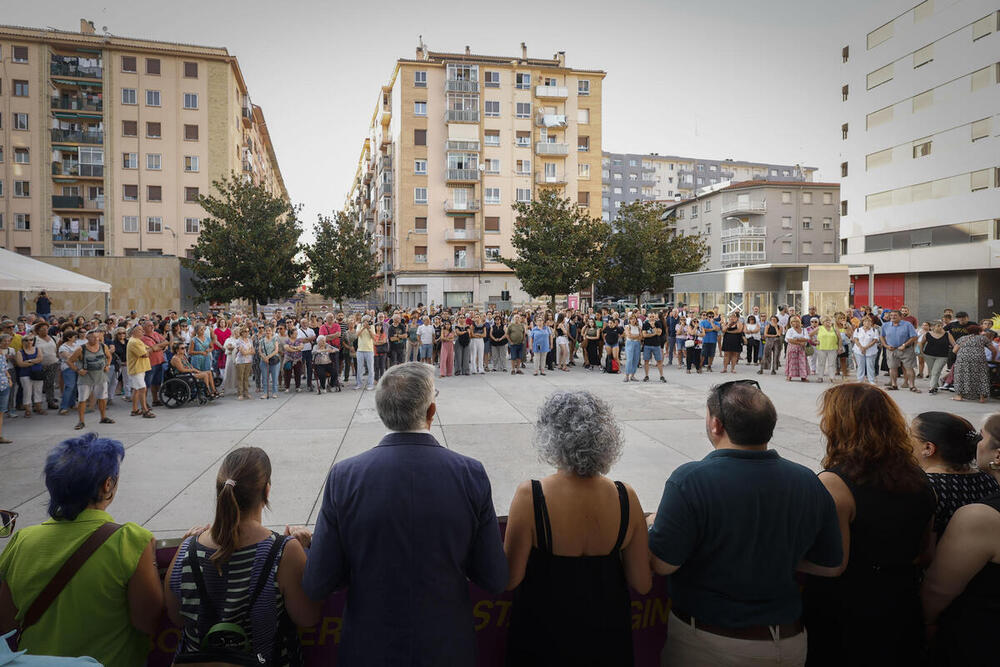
column 721, row 389
column 7, row 520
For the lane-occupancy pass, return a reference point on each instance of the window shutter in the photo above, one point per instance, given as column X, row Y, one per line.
column 492, row 223
column 191, row 132
column 128, row 64
column 152, row 66
column 154, row 193
column 981, row 129
column 881, row 75
column 982, row 78
column 420, row 224
column 420, row 137
column 879, row 117
column 130, row 128
column 191, row 70
column 982, row 179
column 984, row 26
column 923, row 100
column 923, row 56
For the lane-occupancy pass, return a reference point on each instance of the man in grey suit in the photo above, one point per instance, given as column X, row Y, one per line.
column 404, row 527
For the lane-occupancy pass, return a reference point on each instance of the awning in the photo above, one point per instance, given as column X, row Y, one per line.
column 70, row 115
column 19, row 273
column 71, row 82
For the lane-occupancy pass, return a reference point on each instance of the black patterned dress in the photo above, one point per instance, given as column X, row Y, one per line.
column 954, row 490
column 972, row 375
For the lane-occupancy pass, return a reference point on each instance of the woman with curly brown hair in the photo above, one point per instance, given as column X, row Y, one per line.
column 870, row 614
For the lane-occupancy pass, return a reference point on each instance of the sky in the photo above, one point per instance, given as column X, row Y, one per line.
column 748, row 80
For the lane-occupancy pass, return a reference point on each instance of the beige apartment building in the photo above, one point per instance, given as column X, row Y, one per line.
column 457, row 138
column 106, row 141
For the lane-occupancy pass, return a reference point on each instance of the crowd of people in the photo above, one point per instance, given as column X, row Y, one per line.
column 890, row 556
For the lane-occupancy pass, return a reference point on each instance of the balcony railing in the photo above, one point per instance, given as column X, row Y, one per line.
column 551, row 148
column 77, row 104
column 745, row 207
column 73, row 168
column 468, row 264
column 72, row 68
column 452, row 206
column 461, row 116
column 550, row 120
column 550, row 179
column 461, row 235
column 742, row 232
column 551, row 91
column 385, row 242
column 247, row 165
column 73, row 202
column 461, row 145
column 461, row 86
column 86, row 235
column 77, row 137
column 461, row 175
column 742, row 257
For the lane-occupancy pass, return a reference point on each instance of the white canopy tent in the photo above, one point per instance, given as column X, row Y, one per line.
column 21, row 274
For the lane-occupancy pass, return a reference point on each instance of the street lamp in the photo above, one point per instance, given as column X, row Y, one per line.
column 174, row 234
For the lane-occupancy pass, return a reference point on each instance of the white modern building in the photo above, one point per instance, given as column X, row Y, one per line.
column 920, row 186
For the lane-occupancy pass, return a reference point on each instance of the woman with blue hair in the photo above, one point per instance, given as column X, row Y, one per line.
column 111, row 605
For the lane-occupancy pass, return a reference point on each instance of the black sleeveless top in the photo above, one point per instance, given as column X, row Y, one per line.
column 571, row 610
column 936, row 347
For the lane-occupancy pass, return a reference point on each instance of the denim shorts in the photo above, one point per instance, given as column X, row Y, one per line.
column 154, row 376
column 707, row 350
column 426, row 350
column 4, row 399
column 651, row 352
column 516, row 351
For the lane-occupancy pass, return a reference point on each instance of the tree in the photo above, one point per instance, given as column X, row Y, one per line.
column 341, row 261
column 248, row 245
column 643, row 252
column 558, row 246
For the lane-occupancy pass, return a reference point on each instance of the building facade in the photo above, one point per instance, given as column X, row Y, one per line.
column 757, row 222
column 920, row 155
column 457, row 138
column 106, row 142
column 628, row 177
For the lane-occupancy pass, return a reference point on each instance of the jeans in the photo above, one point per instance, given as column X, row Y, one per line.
column 631, row 357
column 461, row 359
column 69, row 389
column 934, row 366
column 498, row 356
column 307, row 359
column 412, row 349
column 753, row 350
column 477, row 349
column 366, row 362
column 866, row 366
column 269, row 377
column 397, row 353
column 708, row 353
column 381, row 360
column 671, row 344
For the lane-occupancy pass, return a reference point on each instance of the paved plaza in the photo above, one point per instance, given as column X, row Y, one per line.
column 168, row 475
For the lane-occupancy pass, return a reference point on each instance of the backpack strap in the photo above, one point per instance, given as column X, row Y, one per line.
column 204, row 599
column 623, row 525
column 272, row 555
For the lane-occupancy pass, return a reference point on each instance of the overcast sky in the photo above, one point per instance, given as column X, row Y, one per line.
column 748, row 79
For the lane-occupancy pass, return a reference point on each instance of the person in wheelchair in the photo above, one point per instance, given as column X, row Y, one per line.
column 180, row 365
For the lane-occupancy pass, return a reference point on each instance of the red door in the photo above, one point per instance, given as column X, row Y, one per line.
column 890, row 290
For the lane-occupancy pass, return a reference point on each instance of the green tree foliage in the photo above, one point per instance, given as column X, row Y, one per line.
column 341, row 261
column 558, row 246
column 643, row 252
column 248, row 245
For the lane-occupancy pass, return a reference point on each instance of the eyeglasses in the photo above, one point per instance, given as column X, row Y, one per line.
column 721, row 389
column 7, row 520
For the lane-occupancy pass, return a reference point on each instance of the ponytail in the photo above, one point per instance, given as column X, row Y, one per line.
column 226, row 527
column 240, row 487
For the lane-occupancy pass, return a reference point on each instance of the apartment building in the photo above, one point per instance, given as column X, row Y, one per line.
column 457, row 138
column 106, row 141
column 757, row 222
column 920, row 152
column 628, row 177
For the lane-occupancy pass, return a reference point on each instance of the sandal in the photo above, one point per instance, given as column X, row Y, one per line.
column 107, row 420
column 914, row 390
column 892, row 387
column 136, row 413
column 79, row 426
column 148, row 414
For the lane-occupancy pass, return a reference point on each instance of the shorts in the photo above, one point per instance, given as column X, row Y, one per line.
column 137, row 381
column 4, row 399
column 154, row 376
column 426, row 350
column 650, row 352
column 516, row 351
column 99, row 390
column 707, row 350
column 906, row 358
column 562, row 340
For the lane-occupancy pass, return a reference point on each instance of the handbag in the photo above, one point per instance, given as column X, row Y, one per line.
column 689, row 342
column 810, row 350
column 36, row 376
column 272, row 362
column 288, row 366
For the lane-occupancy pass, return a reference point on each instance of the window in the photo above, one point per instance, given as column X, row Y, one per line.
column 153, row 130
column 419, row 195
column 191, row 163
column 420, row 137
column 713, row 167
column 844, row 90
column 152, row 98
column 191, row 195
column 921, row 148
column 192, row 225
column 492, row 108
column 605, row 174
column 583, row 116
column 633, row 177
column 154, row 193
column 583, row 198
column 583, row 87
column 153, row 66
column 420, row 79
column 128, row 96
column 190, row 133
column 616, row 176
column 130, row 223
column 20, row 54
column 701, row 167
column 20, row 121
column 786, row 222
column 786, row 247
column 984, row 26
column 153, row 161
column 1, row 195
column 22, row 188
column 20, row 88
column 420, row 254
column 807, row 222
column 879, row 35
column 128, row 64
column 923, row 100
column 190, row 100
column 492, row 166
column 827, row 247
column 130, row 128
column 491, row 195
column 982, row 78
column 827, row 223
column 22, row 156
column 522, row 166
column 522, row 81
column 633, row 191
column 786, row 197
column 807, row 247
column 22, row 221
column 492, row 224
column 523, row 110
column 923, row 56
column 190, row 70
column 617, row 190
column 827, row 198
column 492, row 79
column 523, row 139
column 583, row 144
column 880, row 76
column 807, row 197
column 420, row 108
column 420, row 225
column 492, row 138
column 130, row 192
column 154, row 224
column 843, row 207
column 843, row 131
column 420, row 166
column 130, row 160
column 694, row 211
column 981, row 179
column 492, row 253
column 583, row 171
column 981, row 129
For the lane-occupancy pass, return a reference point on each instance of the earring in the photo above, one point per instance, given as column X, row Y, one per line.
column 994, row 465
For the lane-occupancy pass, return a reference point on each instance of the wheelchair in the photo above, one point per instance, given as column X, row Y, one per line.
column 180, row 388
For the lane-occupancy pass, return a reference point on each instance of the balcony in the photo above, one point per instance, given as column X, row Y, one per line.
column 461, row 145
column 461, row 116
column 247, row 166
column 743, row 232
column 461, row 175
column 551, row 148
column 551, row 91
column 550, row 179
column 246, row 116
column 77, row 104
column 742, row 258
column 86, row 235
column 385, row 242
column 385, row 190
column 469, row 206
column 77, row 137
column 461, row 236
column 550, row 120
column 468, row 264
column 73, row 168
column 744, row 208
column 69, row 202
column 461, row 86
column 71, row 67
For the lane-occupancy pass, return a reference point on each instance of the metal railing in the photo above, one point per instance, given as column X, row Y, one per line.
column 551, row 148
column 461, row 145
column 461, row 116
column 461, row 86
column 471, row 205
column 744, row 207
column 743, row 232
column 550, row 179
column 550, row 120
column 75, row 136
column 551, row 91
column 77, row 104
column 82, row 235
column 469, row 264
column 471, row 235
column 743, row 257
column 73, row 168
column 72, row 68
column 247, row 166
column 461, row 175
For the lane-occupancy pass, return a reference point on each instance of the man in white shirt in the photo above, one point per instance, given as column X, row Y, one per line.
column 306, row 337
column 425, row 332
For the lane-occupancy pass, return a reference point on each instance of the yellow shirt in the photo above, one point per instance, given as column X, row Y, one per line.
column 828, row 339
column 137, row 356
column 365, row 341
column 91, row 615
column 15, row 341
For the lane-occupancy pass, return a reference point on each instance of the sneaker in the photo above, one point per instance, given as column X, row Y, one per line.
column 645, row 379
column 663, row 379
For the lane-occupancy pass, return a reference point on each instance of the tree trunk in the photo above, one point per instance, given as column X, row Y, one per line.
column 254, row 308
column 552, row 304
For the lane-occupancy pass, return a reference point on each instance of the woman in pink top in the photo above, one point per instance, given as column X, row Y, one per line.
column 219, row 337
